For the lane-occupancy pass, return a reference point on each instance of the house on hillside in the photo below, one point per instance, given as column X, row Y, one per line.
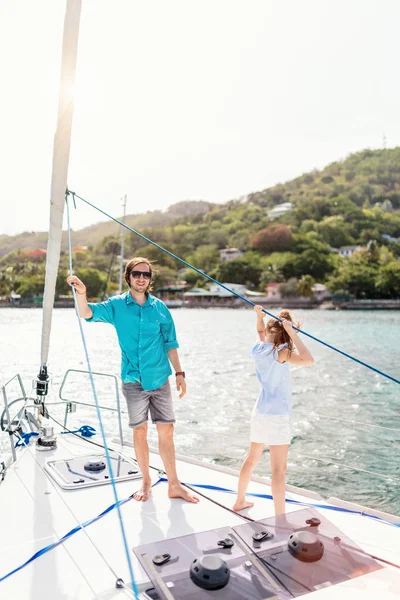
column 390, row 238
column 346, row 250
column 37, row 254
column 279, row 210
column 273, row 292
column 230, row 253
column 320, row 291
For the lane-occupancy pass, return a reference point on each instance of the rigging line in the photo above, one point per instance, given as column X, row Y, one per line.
column 364, row 364
column 103, row 434
column 349, row 467
column 323, row 416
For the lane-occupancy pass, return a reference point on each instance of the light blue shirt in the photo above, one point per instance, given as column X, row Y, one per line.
column 276, row 391
column 145, row 334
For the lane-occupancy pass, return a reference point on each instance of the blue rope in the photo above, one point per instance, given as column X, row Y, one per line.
column 360, row 362
column 198, row 485
column 69, row 534
column 290, row 501
column 108, row 458
column 25, row 438
column 85, row 431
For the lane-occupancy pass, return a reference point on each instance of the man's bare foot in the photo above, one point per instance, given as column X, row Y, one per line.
column 242, row 505
column 143, row 494
column 177, row 490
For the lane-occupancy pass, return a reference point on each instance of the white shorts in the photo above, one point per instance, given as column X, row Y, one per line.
column 271, row 430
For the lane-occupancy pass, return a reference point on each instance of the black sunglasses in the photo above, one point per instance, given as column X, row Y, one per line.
column 137, row 274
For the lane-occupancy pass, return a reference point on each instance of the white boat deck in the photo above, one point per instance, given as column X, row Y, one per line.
column 76, row 569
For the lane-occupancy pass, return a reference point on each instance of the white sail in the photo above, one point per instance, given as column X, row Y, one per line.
column 61, row 150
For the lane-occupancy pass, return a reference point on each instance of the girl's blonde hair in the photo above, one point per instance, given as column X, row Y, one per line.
column 276, row 329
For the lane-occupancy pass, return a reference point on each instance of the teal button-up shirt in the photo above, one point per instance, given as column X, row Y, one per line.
column 145, row 334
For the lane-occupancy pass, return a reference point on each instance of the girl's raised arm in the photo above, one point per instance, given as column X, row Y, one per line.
column 303, row 356
column 260, row 322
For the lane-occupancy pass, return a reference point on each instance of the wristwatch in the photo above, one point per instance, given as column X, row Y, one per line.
column 180, row 373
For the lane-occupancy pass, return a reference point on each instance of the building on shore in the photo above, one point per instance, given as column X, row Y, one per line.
column 230, row 253
column 217, row 296
column 172, row 295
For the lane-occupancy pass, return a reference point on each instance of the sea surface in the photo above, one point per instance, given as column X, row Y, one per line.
column 346, row 418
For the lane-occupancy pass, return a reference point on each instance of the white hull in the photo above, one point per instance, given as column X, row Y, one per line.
column 36, row 512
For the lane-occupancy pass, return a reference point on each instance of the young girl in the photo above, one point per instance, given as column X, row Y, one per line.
column 270, row 419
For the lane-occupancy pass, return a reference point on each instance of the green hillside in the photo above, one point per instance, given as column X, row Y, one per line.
column 354, row 202
column 92, row 235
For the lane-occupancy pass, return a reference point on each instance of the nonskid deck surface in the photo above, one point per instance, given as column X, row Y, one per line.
column 36, row 512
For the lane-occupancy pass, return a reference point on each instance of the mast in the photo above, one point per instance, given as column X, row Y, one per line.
column 121, row 262
column 61, row 151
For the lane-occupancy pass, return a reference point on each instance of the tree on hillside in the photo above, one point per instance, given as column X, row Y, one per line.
column 312, row 262
column 272, row 274
column 5, row 282
column 219, row 237
column 109, row 245
column 388, row 280
column 305, row 286
column 288, row 289
column 164, row 276
column 62, row 286
column 155, row 254
column 335, row 231
column 239, row 270
column 356, row 276
column 205, row 257
column 275, row 238
column 373, row 250
column 93, row 280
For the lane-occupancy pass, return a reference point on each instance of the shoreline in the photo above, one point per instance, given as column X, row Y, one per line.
column 290, row 303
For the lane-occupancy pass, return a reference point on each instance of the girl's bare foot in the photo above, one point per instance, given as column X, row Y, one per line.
column 143, row 494
column 242, row 505
column 176, row 490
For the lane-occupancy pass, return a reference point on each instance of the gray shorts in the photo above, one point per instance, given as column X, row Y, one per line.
column 139, row 401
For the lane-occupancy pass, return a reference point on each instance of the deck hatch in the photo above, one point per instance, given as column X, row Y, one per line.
column 87, row 471
column 260, row 566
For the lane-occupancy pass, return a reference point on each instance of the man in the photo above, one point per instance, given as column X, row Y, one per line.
column 147, row 338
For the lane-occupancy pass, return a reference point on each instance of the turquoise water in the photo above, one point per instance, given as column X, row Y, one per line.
column 328, row 456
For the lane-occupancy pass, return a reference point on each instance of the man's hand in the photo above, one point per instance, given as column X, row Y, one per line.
column 181, row 385
column 80, row 287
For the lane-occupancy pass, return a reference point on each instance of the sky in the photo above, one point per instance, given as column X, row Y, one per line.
column 190, row 100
